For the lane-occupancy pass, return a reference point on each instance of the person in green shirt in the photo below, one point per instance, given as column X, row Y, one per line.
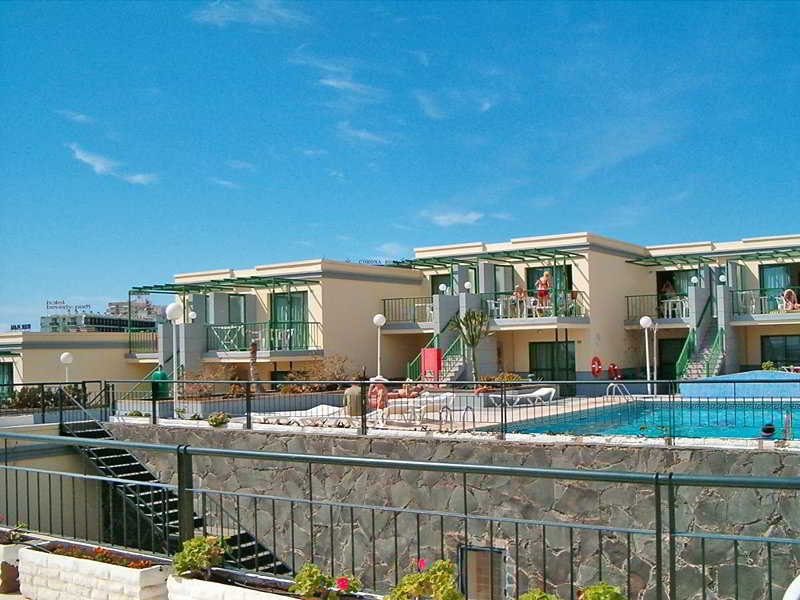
column 352, row 399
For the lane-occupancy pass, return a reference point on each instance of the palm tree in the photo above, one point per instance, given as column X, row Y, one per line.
column 471, row 328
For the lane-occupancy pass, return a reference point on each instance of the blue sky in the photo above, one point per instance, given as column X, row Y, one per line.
column 143, row 139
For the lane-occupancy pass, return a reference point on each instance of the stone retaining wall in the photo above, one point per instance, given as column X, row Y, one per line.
column 529, row 548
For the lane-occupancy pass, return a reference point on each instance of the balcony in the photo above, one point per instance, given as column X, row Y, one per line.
column 658, row 306
column 290, row 336
column 504, row 305
column 142, row 341
column 408, row 310
column 766, row 304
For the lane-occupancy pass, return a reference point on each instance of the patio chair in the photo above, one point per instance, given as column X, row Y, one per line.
column 541, row 396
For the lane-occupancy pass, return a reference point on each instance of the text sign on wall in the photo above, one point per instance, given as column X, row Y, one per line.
column 62, row 305
column 20, row 326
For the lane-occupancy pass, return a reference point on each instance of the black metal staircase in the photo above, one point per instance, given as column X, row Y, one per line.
column 158, row 507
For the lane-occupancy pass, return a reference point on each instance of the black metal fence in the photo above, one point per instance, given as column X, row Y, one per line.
column 553, row 529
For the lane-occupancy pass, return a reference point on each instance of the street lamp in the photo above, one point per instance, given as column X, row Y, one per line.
column 723, row 278
column 66, row 359
column 442, row 288
column 379, row 321
column 468, row 286
column 173, row 313
column 646, row 323
column 694, row 280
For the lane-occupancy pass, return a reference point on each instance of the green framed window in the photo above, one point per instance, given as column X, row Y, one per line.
column 503, row 278
column 553, row 361
column 289, row 321
column 236, row 308
column 6, row 378
column 783, row 350
column 560, row 277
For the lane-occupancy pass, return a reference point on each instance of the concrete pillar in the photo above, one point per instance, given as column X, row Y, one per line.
column 192, row 338
column 165, row 345
column 486, row 352
column 698, row 296
column 460, row 277
column 444, row 308
column 250, row 308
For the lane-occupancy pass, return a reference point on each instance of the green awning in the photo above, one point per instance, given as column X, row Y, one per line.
column 502, row 256
column 221, row 285
column 713, row 257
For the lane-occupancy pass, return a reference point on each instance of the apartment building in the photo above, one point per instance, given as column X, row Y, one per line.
column 716, row 307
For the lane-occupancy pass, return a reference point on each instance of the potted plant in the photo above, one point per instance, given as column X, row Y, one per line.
column 600, row 591
column 537, row 595
column 79, row 572
column 11, row 542
column 198, row 578
column 437, row 582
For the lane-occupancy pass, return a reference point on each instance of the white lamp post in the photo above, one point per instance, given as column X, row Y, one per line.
column 646, row 323
column 379, row 321
column 173, row 313
column 66, row 359
column 468, row 286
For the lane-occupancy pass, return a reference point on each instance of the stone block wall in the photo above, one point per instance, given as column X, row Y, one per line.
column 431, row 524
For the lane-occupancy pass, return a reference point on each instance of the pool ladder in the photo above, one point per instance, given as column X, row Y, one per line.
column 618, row 389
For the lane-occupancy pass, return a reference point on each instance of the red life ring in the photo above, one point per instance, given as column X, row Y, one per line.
column 597, row 366
column 614, row 372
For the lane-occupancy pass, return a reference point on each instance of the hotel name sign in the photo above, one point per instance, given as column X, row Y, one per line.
column 61, row 305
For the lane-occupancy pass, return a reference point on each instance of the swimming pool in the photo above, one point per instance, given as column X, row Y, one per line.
column 676, row 418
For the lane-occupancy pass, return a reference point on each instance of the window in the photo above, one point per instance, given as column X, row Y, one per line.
column 236, row 312
column 6, row 378
column 783, row 350
column 560, row 277
column 482, row 573
column 503, row 278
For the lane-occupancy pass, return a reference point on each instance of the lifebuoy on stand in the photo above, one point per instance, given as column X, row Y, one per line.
column 614, row 372
column 597, row 366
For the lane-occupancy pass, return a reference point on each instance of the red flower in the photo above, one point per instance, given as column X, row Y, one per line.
column 342, row 583
column 421, row 563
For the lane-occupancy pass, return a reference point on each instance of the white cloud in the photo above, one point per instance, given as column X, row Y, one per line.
column 251, row 12
column 223, row 182
column 349, row 132
column 328, row 65
column 336, row 174
column 75, row 116
column 502, row 216
column 428, row 105
column 447, row 219
column 353, row 87
column 100, row 164
column 421, row 56
column 140, row 178
column 241, row 165
column 392, row 249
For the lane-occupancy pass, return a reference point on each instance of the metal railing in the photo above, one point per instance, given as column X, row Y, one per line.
column 686, row 354
column 556, row 303
column 408, row 310
column 716, row 352
column 269, row 336
column 659, row 306
column 763, row 301
column 142, row 341
column 572, row 529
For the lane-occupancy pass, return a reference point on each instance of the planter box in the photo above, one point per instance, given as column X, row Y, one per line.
column 164, row 407
column 198, row 589
column 44, row 575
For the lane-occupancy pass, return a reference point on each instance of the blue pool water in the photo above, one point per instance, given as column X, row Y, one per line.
column 678, row 418
column 771, row 384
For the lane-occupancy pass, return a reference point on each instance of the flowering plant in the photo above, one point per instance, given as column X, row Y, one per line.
column 437, row 582
column 311, row 581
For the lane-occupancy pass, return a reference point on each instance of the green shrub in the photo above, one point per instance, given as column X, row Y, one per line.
column 135, row 413
column 438, row 582
column 311, row 581
column 768, row 365
column 218, row 419
column 198, row 556
column 601, row 591
column 537, row 595
column 502, row 377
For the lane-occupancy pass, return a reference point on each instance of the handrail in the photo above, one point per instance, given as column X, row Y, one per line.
column 686, row 353
column 615, row 387
column 716, row 351
column 146, row 378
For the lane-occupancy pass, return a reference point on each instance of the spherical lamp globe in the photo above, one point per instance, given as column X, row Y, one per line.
column 645, row 322
column 66, row 358
column 174, row 311
column 379, row 320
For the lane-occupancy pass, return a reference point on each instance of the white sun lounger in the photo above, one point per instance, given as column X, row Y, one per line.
column 324, row 414
column 541, row 396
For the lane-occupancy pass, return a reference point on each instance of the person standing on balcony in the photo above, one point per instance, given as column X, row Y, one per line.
column 518, row 298
column 543, row 289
